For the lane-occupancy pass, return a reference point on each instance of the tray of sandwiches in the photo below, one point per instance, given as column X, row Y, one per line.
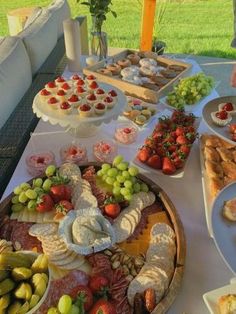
column 218, row 166
column 100, row 230
column 140, row 74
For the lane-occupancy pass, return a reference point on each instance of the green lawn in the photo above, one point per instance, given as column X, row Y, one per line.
column 196, row 27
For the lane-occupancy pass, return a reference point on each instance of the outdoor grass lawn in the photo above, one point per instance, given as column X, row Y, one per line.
column 191, row 27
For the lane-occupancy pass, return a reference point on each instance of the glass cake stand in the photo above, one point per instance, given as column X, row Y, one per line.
column 75, row 124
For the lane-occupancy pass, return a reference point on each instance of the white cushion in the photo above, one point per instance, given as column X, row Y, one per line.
column 60, row 11
column 34, row 15
column 40, row 38
column 15, row 75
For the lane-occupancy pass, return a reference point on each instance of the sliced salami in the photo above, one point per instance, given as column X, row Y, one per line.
column 21, row 239
column 65, row 285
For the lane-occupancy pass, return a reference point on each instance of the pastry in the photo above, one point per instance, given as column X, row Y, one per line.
column 133, row 58
column 176, row 68
column 130, row 71
column 85, row 110
column 234, row 155
column 79, row 82
column 150, row 55
column 81, row 91
column 211, row 153
column 148, row 70
column 114, row 68
column 227, row 304
column 147, row 62
column 141, row 119
column 90, row 78
column 65, row 107
column 100, row 108
column 126, row 133
column 229, row 210
column 168, row 73
column 112, row 93
column 160, row 80
column 146, row 113
column 74, row 101
column 67, row 87
column 229, row 169
column 225, row 154
column 228, row 180
column 213, row 169
column 105, row 72
column 216, row 184
column 211, row 140
column 124, row 63
column 151, row 86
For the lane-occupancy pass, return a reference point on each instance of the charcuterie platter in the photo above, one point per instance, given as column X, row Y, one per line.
column 89, row 227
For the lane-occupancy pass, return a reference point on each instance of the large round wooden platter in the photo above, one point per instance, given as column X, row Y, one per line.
column 167, row 213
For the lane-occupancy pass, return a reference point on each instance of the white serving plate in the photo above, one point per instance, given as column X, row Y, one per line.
column 211, row 297
column 212, row 106
column 224, row 231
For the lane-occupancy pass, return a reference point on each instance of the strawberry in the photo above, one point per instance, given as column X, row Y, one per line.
column 144, row 153
column 168, row 166
column 228, row 107
column 154, row 162
column 103, row 306
column 178, row 162
column 223, row 115
column 233, row 137
column 182, row 140
column 179, row 131
column 84, row 298
column 60, row 192
column 98, row 284
column 185, row 149
column 44, row 203
column 232, row 128
column 112, row 208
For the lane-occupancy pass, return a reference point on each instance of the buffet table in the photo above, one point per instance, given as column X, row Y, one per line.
column 204, row 269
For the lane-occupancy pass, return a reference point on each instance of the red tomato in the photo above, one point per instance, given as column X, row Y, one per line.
column 98, row 284
column 45, row 203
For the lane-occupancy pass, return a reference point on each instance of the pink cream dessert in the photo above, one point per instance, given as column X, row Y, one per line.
column 100, row 93
column 74, row 153
column 52, row 87
column 37, row 163
column 53, row 102
column 74, row 101
column 60, row 80
column 44, row 94
column 104, row 151
column 126, row 133
column 112, row 93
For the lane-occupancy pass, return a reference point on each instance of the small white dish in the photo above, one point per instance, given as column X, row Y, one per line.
column 211, row 297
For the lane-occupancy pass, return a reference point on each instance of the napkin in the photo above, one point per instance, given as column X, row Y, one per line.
column 73, row 44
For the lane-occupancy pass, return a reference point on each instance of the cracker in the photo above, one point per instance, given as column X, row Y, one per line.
column 61, row 260
column 43, row 230
column 75, row 264
column 162, row 228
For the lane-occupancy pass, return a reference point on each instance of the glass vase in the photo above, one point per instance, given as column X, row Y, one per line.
column 99, row 45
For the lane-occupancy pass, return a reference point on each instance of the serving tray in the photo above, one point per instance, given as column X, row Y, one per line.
column 136, row 90
column 166, row 213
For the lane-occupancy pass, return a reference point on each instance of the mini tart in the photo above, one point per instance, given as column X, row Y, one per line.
column 112, row 93
column 141, row 119
column 109, row 102
column 52, row 87
column 81, row 91
column 61, row 95
column 100, row 108
column 53, row 102
column 124, row 63
column 221, row 122
column 79, row 82
column 74, row 101
column 93, row 86
column 90, row 79
column 127, row 111
column 133, row 58
column 100, row 93
column 114, row 68
column 105, row 72
column 229, row 107
column 91, row 99
column 60, row 80
column 74, row 78
column 44, row 94
column 168, row 73
column 85, row 110
column 134, row 114
column 65, row 107
column 67, row 87
column 146, row 113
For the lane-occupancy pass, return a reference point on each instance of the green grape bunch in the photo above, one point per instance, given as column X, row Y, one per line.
column 190, row 90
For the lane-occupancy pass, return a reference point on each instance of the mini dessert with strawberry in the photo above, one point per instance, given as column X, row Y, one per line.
column 76, row 77
column 90, row 79
column 67, row 87
column 74, row 101
column 112, row 93
column 53, row 102
column 79, row 82
column 61, row 95
column 75, row 153
column 104, row 151
column 37, row 163
column 100, row 93
column 100, row 108
column 52, row 87
column 93, row 86
column 91, row 99
column 81, row 91
column 85, row 110
column 227, row 106
column 109, row 102
column 44, row 94
column 60, row 80
column 65, row 107
column 126, row 133
column 221, row 118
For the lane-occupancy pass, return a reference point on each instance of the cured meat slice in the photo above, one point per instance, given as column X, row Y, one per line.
column 6, row 226
column 65, row 285
column 101, row 265
column 21, row 239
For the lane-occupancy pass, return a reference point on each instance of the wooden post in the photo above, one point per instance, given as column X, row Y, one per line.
column 148, row 16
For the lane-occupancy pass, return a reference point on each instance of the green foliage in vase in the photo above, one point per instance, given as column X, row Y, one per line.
column 98, row 10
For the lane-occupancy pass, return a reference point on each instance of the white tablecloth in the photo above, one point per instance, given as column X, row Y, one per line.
column 205, row 269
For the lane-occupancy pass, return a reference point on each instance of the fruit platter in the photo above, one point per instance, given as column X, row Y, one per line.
column 167, row 148
column 109, row 237
column 219, row 115
column 78, row 103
